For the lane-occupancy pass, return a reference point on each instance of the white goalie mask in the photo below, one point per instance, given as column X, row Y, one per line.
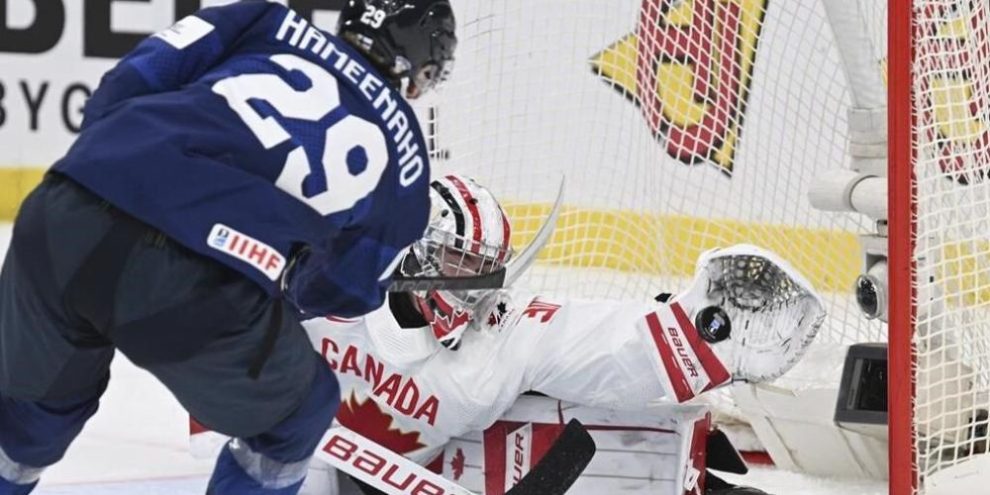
column 468, row 235
column 773, row 312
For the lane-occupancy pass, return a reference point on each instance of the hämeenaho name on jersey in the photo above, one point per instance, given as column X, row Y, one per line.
column 298, row 33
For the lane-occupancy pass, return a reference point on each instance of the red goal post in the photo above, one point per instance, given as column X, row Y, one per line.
column 903, row 467
column 939, row 246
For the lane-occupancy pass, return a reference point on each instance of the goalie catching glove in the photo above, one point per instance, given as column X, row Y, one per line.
column 756, row 311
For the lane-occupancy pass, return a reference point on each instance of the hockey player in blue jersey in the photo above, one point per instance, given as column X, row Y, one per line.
column 235, row 173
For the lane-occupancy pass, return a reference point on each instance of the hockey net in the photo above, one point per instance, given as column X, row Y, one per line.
column 683, row 125
column 940, row 243
column 664, row 160
column 680, row 126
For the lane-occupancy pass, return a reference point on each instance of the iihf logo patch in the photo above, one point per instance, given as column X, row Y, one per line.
column 247, row 249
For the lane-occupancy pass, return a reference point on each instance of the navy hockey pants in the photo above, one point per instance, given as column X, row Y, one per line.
column 82, row 280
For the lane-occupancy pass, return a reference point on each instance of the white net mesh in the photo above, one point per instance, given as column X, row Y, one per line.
column 683, row 125
column 951, row 85
column 680, row 125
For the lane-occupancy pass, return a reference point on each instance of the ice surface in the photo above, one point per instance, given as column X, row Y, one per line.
column 779, row 482
column 192, row 486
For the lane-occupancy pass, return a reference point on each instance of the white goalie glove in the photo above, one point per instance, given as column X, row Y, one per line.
column 773, row 312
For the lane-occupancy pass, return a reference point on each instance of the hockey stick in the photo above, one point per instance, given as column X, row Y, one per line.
column 393, row 474
column 561, row 466
column 503, row 277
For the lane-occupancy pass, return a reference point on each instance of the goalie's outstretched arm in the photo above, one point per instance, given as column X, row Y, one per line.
column 757, row 316
column 603, row 354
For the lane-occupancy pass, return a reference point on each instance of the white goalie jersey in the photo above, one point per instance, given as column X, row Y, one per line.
column 403, row 390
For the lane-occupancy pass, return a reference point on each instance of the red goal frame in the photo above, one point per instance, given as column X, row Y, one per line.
column 901, row 268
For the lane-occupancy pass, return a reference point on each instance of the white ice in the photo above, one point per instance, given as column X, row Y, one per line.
column 137, row 445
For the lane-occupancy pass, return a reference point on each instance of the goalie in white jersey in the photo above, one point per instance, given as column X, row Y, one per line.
column 430, row 366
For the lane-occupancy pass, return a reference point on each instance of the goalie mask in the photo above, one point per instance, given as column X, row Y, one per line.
column 468, row 235
column 757, row 312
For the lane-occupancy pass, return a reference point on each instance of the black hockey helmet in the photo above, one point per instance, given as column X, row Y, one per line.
column 412, row 39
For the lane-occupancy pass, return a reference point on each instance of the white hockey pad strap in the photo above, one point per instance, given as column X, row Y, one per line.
column 686, row 364
column 381, row 468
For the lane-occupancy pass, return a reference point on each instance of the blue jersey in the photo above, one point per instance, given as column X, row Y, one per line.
column 255, row 139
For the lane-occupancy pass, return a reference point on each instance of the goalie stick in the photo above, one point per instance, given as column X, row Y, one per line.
column 561, row 466
column 393, row 474
column 498, row 279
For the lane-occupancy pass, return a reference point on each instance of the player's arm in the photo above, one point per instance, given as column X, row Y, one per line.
column 349, row 281
column 350, row 277
column 757, row 317
column 178, row 55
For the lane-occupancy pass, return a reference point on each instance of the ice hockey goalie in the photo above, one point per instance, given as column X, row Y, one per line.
column 437, row 376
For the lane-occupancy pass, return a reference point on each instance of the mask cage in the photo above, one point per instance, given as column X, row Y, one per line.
column 444, row 254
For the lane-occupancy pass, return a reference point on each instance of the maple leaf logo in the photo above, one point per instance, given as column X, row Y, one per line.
column 498, row 315
column 457, row 464
column 369, row 420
